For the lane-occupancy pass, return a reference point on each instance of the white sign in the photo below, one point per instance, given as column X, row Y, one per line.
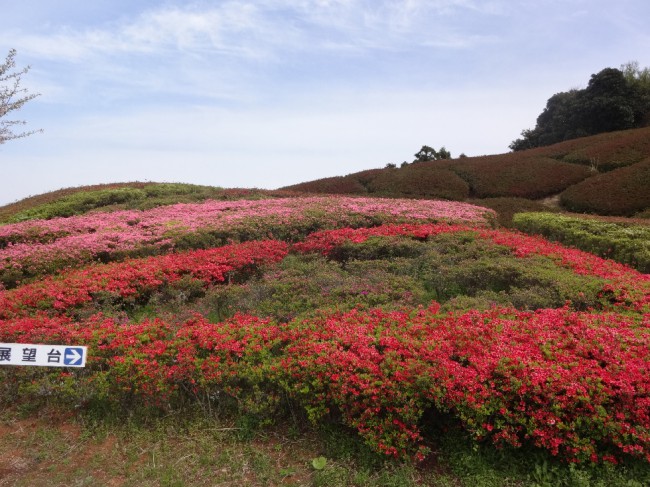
column 42, row 355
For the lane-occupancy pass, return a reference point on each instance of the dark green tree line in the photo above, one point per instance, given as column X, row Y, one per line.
column 614, row 99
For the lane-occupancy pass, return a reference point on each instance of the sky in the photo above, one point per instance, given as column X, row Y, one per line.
column 268, row 93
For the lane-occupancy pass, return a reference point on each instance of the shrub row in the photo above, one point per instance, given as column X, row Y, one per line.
column 625, row 243
column 572, row 383
column 136, row 278
column 627, row 288
column 517, row 175
column 621, row 192
column 419, row 181
column 509, row 175
column 38, row 247
column 506, row 208
column 603, row 152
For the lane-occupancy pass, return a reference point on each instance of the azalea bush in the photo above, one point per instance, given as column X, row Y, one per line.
column 136, row 278
column 625, row 243
column 621, row 192
column 38, row 247
column 570, row 382
column 384, row 328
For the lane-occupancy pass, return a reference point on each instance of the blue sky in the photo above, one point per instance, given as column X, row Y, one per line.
column 267, row 93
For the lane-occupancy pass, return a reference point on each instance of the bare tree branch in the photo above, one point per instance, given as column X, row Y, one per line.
column 12, row 97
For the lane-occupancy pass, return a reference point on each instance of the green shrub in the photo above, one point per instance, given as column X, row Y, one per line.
column 133, row 196
column 625, row 243
column 301, row 285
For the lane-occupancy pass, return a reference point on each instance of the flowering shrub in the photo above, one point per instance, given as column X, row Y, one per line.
column 624, row 242
column 627, row 286
column 43, row 246
column 136, row 277
column 517, row 174
column 420, row 181
column 623, row 191
column 603, row 152
column 573, row 383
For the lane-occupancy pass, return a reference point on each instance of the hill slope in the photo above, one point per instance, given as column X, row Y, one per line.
column 587, row 173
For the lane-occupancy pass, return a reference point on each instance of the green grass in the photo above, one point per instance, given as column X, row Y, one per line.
column 190, row 448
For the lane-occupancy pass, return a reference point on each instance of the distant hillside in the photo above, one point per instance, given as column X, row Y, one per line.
column 606, row 174
column 117, row 196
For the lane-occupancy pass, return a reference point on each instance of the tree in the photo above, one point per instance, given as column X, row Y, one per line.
column 614, row 100
column 12, row 97
column 609, row 103
column 639, row 80
column 427, row 153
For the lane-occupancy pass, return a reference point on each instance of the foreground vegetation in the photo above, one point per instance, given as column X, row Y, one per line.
column 200, row 448
column 410, row 331
column 262, row 338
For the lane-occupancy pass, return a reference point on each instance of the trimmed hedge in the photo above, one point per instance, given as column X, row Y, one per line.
column 420, row 180
column 605, row 151
column 625, row 243
column 517, row 175
column 622, row 192
column 334, row 185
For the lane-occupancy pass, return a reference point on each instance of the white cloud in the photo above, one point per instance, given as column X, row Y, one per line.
column 256, row 30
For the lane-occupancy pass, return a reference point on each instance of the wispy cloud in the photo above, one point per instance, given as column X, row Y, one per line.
column 218, row 51
column 258, row 30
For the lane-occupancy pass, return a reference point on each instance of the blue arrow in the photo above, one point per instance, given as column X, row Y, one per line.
column 73, row 356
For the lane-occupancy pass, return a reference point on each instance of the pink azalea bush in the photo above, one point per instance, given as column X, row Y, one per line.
column 39, row 246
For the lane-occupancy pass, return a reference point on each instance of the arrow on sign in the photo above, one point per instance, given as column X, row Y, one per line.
column 73, row 356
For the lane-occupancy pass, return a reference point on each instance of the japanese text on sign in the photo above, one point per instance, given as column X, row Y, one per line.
column 42, row 355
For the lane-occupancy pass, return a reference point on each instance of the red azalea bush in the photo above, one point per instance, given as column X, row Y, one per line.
column 573, row 383
column 517, row 175
column 135, row 277
column 38, row 247
column 420, row 181
column 603, row 152
column 626, row 288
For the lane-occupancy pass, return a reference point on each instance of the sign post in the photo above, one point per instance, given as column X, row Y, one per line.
column 43, row 355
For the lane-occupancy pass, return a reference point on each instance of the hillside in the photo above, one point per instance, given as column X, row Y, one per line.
column 119, row 196
column 251, row 337
column 607, row 174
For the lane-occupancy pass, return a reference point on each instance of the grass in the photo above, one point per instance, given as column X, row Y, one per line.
column 188, row 448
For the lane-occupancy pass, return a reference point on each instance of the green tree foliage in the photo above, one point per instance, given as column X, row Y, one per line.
column 615, row 99
column 12, row 97
column 427, row 153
